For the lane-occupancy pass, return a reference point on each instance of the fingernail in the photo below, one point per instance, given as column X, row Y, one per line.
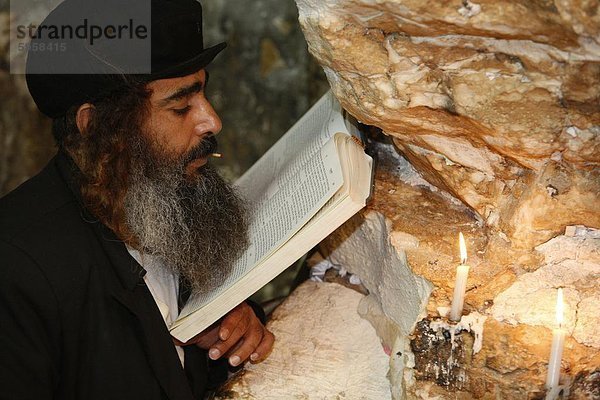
column 254, row 356
column 224, row 334
column 234, row 361
column 214, row 354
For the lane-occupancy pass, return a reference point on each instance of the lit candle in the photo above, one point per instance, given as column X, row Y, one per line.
column 558, row 343
column 460, row 286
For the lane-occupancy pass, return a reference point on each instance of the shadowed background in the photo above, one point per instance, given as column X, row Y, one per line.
column 260, row 85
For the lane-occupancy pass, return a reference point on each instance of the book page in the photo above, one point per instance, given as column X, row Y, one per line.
column 356, row 169
column 291, row 203
column 283, row 160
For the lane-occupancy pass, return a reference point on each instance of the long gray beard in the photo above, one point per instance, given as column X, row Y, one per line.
column 197, row 226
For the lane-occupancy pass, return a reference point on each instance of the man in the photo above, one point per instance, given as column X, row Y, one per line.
column 128, row 219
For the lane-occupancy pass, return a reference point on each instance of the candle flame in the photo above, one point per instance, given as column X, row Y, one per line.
column 463, row 248
column 560, row 307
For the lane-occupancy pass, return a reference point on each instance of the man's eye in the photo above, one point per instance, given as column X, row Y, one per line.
column 181, row 111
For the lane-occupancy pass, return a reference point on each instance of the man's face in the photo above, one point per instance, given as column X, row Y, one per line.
column 181, row 116
column 176, row 205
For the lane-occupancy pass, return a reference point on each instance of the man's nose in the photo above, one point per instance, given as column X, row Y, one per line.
column 206, row 118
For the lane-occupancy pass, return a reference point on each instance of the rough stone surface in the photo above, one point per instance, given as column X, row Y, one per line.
column 324, row 350
column 495, row 111
column 586, row 386
column 513, row 359
column 494, row 107
column 425, row 223
column 397, row 297
column 362, row 246
column 532, row 298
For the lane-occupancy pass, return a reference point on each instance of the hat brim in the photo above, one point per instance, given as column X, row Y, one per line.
column 190, row 66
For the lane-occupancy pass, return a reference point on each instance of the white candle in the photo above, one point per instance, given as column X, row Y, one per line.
column 558, row 344
column 460, row 285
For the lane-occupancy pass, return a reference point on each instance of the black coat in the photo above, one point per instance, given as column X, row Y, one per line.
column 76, row 318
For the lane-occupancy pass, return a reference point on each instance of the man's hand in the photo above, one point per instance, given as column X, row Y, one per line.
column 239, row 335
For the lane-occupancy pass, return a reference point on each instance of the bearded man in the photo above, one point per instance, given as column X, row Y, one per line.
column 101, row 248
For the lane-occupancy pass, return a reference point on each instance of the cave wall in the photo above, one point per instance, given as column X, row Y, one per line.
column 496, row 106
column 25, row 140
column 490, row 113
column 488, row 99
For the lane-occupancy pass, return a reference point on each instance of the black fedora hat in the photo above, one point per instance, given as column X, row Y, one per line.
column 99, row 46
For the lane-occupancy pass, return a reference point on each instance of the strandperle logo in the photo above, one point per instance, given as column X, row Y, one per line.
column 85, row 30
column 116, row 32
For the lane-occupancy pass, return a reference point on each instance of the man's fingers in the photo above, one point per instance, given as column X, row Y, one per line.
column 236, row 317
column 231, row 329
column 264, row 348
column 242, row 337
column 223, row 346
column 248, row 346
column 231, row 354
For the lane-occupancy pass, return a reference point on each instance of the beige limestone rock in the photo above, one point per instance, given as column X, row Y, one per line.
column 512, row 360
column 323, row 350
column 397, row 297
column 511, row 365
column 363, row 247
column 479, row 100
column 569, row 262
column 560, row 196
column 588, row 316
column 425, row 223
column 496, row 105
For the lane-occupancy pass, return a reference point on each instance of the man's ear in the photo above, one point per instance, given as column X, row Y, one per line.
column 84, row 114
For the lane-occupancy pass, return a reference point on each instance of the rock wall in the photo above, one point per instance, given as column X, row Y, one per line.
column 25, row 140
column 487, row 99
column 323, row 350
column 496, row 105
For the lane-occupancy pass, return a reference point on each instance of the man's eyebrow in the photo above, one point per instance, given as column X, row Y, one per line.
column 183, row 93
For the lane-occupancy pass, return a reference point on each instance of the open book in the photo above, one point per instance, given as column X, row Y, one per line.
column 307, row 185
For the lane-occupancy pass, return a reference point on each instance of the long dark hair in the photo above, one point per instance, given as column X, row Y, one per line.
column 101, row 151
